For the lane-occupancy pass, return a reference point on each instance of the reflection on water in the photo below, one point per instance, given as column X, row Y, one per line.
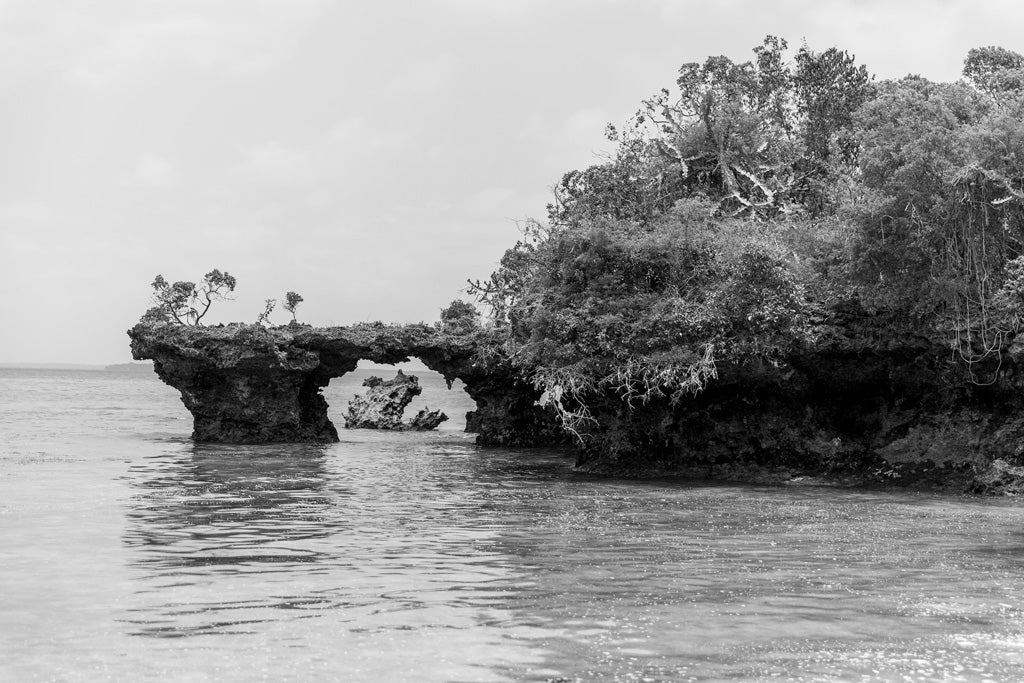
column 374, row 549
column 128, row 553
column 224, row 511
column 422, row 547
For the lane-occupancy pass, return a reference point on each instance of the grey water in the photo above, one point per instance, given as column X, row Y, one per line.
column 129, row 553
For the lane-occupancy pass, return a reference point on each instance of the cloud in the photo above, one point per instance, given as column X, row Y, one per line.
column 423, row 76
column 99, row 43
column 492, row 8
column 153, row 172
column 354, row 135
column 276, row 163
column 490, row 200
column 586, row 124
column 577, row 138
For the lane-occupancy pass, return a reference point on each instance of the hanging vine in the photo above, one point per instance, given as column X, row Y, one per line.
column 980, row 240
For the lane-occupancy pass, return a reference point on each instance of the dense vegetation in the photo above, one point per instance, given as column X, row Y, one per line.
column 739, row 213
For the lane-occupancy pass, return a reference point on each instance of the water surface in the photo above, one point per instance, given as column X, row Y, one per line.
column 129, row 553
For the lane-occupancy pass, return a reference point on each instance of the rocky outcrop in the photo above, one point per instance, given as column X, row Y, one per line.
column 250, row 384
column 382, row 406
column 426, row 420
column 869, row 405
column 384, row 403
column 853, row 409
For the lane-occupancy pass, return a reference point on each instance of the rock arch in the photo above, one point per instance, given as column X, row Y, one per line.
column 251, row 384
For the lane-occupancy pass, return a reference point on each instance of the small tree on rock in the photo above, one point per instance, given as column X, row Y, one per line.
column 460, row 317
column 268, row 308
column 185, row 303
column 291, row 302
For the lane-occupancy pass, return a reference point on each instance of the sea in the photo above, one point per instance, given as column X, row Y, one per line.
column 130, row 553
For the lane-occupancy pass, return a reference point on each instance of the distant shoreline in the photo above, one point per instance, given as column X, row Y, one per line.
column 147, row 367
column 88, row 367
column 52, row 366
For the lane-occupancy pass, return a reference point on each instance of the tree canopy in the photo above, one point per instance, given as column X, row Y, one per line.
column 186, row 303
column 742, row 207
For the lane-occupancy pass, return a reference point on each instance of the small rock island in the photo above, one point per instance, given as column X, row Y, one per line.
column 901, row 414
column 785, row 270
column 383, row 406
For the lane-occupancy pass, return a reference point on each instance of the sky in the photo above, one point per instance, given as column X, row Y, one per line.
column 371, row 155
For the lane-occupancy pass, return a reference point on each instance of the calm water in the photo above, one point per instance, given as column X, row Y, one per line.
column 128, row 553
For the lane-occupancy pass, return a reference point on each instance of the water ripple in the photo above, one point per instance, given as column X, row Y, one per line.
column 418, row 557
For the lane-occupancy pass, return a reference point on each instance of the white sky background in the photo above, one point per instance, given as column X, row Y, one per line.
column 369, row 155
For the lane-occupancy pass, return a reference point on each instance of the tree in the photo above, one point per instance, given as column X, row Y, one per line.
column 945, row 160
column 755, row 137
column 268, row 308
column 739, row 120
column 994, row 70
column 460, row 317
column 184, row 302
column 291, row 302
column 829, row 87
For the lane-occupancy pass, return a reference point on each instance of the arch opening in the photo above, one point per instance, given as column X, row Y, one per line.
column 454, row 402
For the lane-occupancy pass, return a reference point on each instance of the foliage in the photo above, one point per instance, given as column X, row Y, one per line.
column 737, row 213
column 994, row 70
column 184, row 302
column 759, row 138
column 502, row 291
column 459, row 317
column 268, row 308
column 647, row 313
column 291, row 302
column 155, row 315
column 829, row 87
column 948, row 161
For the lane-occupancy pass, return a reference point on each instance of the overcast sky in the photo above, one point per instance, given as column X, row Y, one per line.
column 369, row 155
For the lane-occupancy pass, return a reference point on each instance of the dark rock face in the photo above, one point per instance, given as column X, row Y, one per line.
column 506, row 412
column 902, row 414
column 250, row 384
column 238, row 384
column 383, row 405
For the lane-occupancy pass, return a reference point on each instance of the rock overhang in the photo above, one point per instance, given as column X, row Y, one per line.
column 252, row 384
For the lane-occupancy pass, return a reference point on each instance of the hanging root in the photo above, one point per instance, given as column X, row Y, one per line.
column 635, row 381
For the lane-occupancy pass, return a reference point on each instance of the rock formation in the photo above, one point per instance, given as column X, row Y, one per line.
column 899, row 414
column 426, row 420
column 251, row 384
column 384, row 403
column 871, row 404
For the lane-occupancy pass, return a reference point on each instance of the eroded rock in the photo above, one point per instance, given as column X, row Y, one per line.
column 384, row 403
column 903, row 415
column 250, row 384
column 426, row 420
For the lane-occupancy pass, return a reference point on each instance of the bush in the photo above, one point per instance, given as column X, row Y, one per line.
column 459, row 318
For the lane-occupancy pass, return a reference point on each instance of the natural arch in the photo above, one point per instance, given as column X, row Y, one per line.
column 400, row 397
column 250, row 384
